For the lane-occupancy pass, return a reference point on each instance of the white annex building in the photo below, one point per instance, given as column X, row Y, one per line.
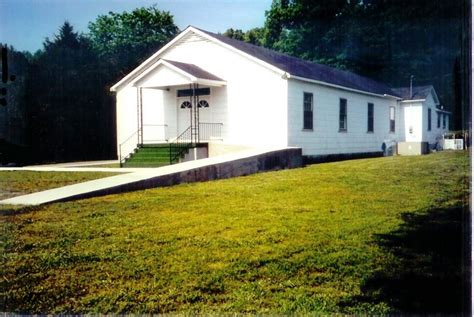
column 205, row 88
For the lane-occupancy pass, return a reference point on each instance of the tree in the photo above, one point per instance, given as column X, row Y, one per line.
column 68, row 118
column 253, row 36
column 236, row 34
column 125, row 39
column 321, row 31
column 386, row 40
column 13, row 115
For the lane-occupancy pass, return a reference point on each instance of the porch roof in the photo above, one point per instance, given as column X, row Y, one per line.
column 167, row 73
column 194, row 70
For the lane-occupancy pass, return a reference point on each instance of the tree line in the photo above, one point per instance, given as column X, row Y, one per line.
column 60, row 108
column 387, row 40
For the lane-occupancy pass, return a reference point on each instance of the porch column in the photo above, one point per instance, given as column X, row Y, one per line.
column 194, row 115
column 141, row 115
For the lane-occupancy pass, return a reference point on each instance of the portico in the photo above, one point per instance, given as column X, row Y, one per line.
column 176, row 103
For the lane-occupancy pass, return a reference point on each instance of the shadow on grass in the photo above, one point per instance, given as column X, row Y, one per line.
column 430, row 270
column 10, row 210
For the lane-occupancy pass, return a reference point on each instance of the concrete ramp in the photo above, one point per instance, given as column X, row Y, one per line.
column 225, row 166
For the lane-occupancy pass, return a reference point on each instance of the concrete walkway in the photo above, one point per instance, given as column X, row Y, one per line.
column 76, row 164
column 75, row 167
column 225, row 166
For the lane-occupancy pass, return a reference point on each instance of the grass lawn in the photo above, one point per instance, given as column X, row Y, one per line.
column 365, row 236
column 16, row 183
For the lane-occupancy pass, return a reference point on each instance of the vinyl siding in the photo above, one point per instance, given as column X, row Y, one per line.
column 325, row 137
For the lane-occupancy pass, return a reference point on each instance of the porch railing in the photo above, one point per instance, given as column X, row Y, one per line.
column 127, row 147
column 207, row 132
column 180, row 145
column 210, row 131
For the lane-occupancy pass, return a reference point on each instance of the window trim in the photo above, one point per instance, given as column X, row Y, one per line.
column 304, row 111
column 390, row 119
column 183, row 106
column 370, row 119
column 203, row 104
column 344, row 129
column 429, row 119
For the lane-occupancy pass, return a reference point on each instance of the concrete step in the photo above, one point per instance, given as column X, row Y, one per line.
column 149, row 161
column 155, row 146
column 148, row 155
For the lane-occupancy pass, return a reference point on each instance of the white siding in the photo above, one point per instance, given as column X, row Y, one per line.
column 161, row 76
column 415, row 116
column 253, row 104
column 325, row 137
column 153, row 116
column 178, row 119
column 436, row 133
column 258, row 107
column 170, row 113
column 413, row 120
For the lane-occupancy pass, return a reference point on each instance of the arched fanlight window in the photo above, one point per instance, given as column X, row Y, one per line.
column 185, row 104
column 203, row 104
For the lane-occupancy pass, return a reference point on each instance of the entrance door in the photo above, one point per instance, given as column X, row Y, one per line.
column 184, row 114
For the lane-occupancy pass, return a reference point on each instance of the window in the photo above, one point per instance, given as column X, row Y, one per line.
column 185, row 105
column 439, row 120
column 370, row 117
column 308, row 111
column 342, row 115
column 392, row 119
column 444, row 121
column 193, row 92
column 203, row 104
column 429, row 119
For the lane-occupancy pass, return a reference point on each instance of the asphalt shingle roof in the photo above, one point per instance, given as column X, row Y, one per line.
column 418, row 92
column 194, row 70
column 301, row 68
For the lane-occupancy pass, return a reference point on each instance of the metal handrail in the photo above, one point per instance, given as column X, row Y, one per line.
column 179, row 145
column 182, row 143
column 210, row 130
column 121, row 145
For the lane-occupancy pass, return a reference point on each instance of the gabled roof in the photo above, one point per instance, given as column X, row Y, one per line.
column 194, row 70
column 418, row 93
column 297, row 67
column 288, row 66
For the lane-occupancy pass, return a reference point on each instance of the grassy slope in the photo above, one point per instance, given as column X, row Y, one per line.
column 339, row 237
column 16, row 183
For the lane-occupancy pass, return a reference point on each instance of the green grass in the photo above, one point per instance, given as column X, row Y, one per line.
column 16, row 183
column 366, row 236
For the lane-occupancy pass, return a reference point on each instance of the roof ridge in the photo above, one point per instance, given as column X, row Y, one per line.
column 302, row 68
column 408, row 87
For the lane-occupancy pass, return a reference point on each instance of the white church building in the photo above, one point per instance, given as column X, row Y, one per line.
column 205, row 88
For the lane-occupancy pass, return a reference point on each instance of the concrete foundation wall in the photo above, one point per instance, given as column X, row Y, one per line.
column 196, row 153
column 314, row 159
column 268, row 161
column 218, row 148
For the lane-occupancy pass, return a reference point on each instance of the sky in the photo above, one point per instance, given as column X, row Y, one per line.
column 25, row 24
